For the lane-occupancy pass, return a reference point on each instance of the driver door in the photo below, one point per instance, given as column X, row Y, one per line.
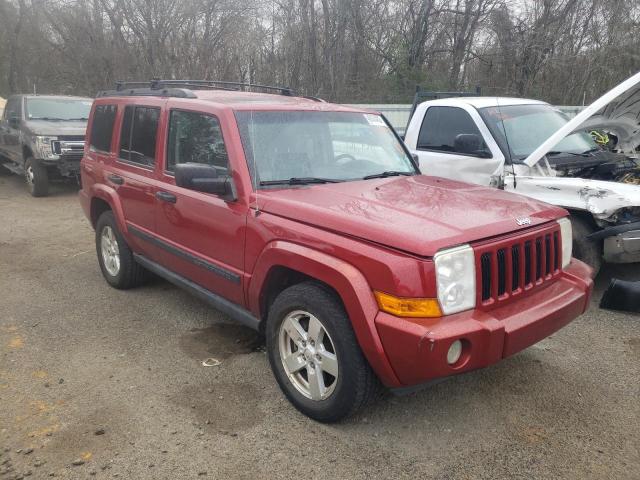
column 451, row 144
column 10, row 132
column 202, row 234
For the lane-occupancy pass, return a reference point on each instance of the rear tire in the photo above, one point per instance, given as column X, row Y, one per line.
column 116, row 260
column 326, row 350
column 584, row 249
column 37, row 177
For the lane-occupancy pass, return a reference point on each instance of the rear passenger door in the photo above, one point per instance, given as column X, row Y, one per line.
column 203, row 234
column 440, row 151
column 133, row 172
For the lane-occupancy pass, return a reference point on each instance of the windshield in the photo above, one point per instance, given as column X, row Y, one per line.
column 58, row 109
column 331, row 146
column 528, row 126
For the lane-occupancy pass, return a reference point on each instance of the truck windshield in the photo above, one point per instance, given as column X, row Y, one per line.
column 298, row 147
column 58, row 109
column 528, row 126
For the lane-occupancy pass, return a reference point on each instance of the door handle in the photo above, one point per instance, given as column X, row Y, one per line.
column 117, row 179
column 166, row 197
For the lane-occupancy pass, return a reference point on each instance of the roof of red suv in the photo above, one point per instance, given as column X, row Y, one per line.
column 267, row 101
column 237, row 100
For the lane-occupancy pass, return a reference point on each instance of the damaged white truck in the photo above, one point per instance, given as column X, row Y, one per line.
column 531, row 148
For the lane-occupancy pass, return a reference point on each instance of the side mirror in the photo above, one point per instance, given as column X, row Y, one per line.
column 471, row 144
column 204, row 178
column 14, row 121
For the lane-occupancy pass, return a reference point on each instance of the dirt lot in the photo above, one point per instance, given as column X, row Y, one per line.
column 99, row 383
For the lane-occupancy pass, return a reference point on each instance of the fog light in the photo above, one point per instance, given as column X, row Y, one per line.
column 455, row 350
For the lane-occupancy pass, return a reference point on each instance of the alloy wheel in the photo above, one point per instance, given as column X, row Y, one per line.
column 110, row 251
column 308, row 355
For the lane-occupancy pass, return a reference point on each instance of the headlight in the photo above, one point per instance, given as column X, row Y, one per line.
column 566, row 232
column 43, row 147
column 456, row 279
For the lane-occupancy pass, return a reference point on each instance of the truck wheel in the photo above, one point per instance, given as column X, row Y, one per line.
column 315, row 356
column 588, row 251
column 37, row 178
column 118, row 266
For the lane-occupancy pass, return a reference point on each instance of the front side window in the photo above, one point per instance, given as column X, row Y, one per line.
column 138, row 135
column 334, row 146
column 196, row 138
column 102, row 127
column 441, row 128
column 68, row 109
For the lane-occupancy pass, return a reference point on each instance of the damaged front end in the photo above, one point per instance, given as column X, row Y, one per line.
column 599, row 165
column 602, row 183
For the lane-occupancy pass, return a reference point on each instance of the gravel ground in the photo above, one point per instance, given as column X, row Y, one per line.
column 100, row 383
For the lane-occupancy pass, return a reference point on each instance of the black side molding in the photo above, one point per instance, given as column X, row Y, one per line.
column 223, row 272
column 234, row 311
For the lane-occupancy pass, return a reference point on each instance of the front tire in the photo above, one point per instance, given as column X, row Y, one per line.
column 315, row 356
column 584, row 249
column 37, row 177
column 116, row 260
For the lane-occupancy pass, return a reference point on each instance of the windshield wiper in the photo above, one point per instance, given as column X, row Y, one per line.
column 80, row 118
column 298, row 181
column 558, row 152
column 388, row 173
column 48, row 119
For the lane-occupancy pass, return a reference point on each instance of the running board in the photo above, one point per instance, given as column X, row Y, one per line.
column 234, row 311
column 12, row 167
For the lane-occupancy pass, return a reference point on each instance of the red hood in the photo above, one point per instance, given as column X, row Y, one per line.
column 417, row 214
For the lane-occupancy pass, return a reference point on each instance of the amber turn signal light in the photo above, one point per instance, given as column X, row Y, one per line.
column 408, row 307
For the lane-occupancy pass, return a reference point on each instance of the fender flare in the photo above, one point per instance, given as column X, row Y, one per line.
column 109, row 195
column 345, row 279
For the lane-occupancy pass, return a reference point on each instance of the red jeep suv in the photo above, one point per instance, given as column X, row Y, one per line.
column 312, row 223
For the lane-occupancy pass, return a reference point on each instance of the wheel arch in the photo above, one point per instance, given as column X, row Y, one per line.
column 26, row 152
column 283, row 264
column 103, row 198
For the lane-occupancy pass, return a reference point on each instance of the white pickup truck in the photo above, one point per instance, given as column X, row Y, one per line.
column 505, row 143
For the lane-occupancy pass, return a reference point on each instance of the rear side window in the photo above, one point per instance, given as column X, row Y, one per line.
column 138, row 135
column 196, row 138
column 102, row 127
column 440, row 127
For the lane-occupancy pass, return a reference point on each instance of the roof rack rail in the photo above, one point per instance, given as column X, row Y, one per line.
column 147, row 92
column 160, row 84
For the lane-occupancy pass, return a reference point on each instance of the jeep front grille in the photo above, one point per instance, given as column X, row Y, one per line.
column 512, row 266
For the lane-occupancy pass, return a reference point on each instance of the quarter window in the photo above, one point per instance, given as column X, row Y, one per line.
column 102, row 127
column 441, row 126
column 138, row 135
column 196, row 138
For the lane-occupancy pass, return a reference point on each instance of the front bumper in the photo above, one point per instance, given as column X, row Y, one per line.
column 66, row 166
column 417, row 348
column 623, row 248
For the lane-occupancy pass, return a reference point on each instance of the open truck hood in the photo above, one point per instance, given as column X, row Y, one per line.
column 620, row 111
column 622, row 118
column 418, row 214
